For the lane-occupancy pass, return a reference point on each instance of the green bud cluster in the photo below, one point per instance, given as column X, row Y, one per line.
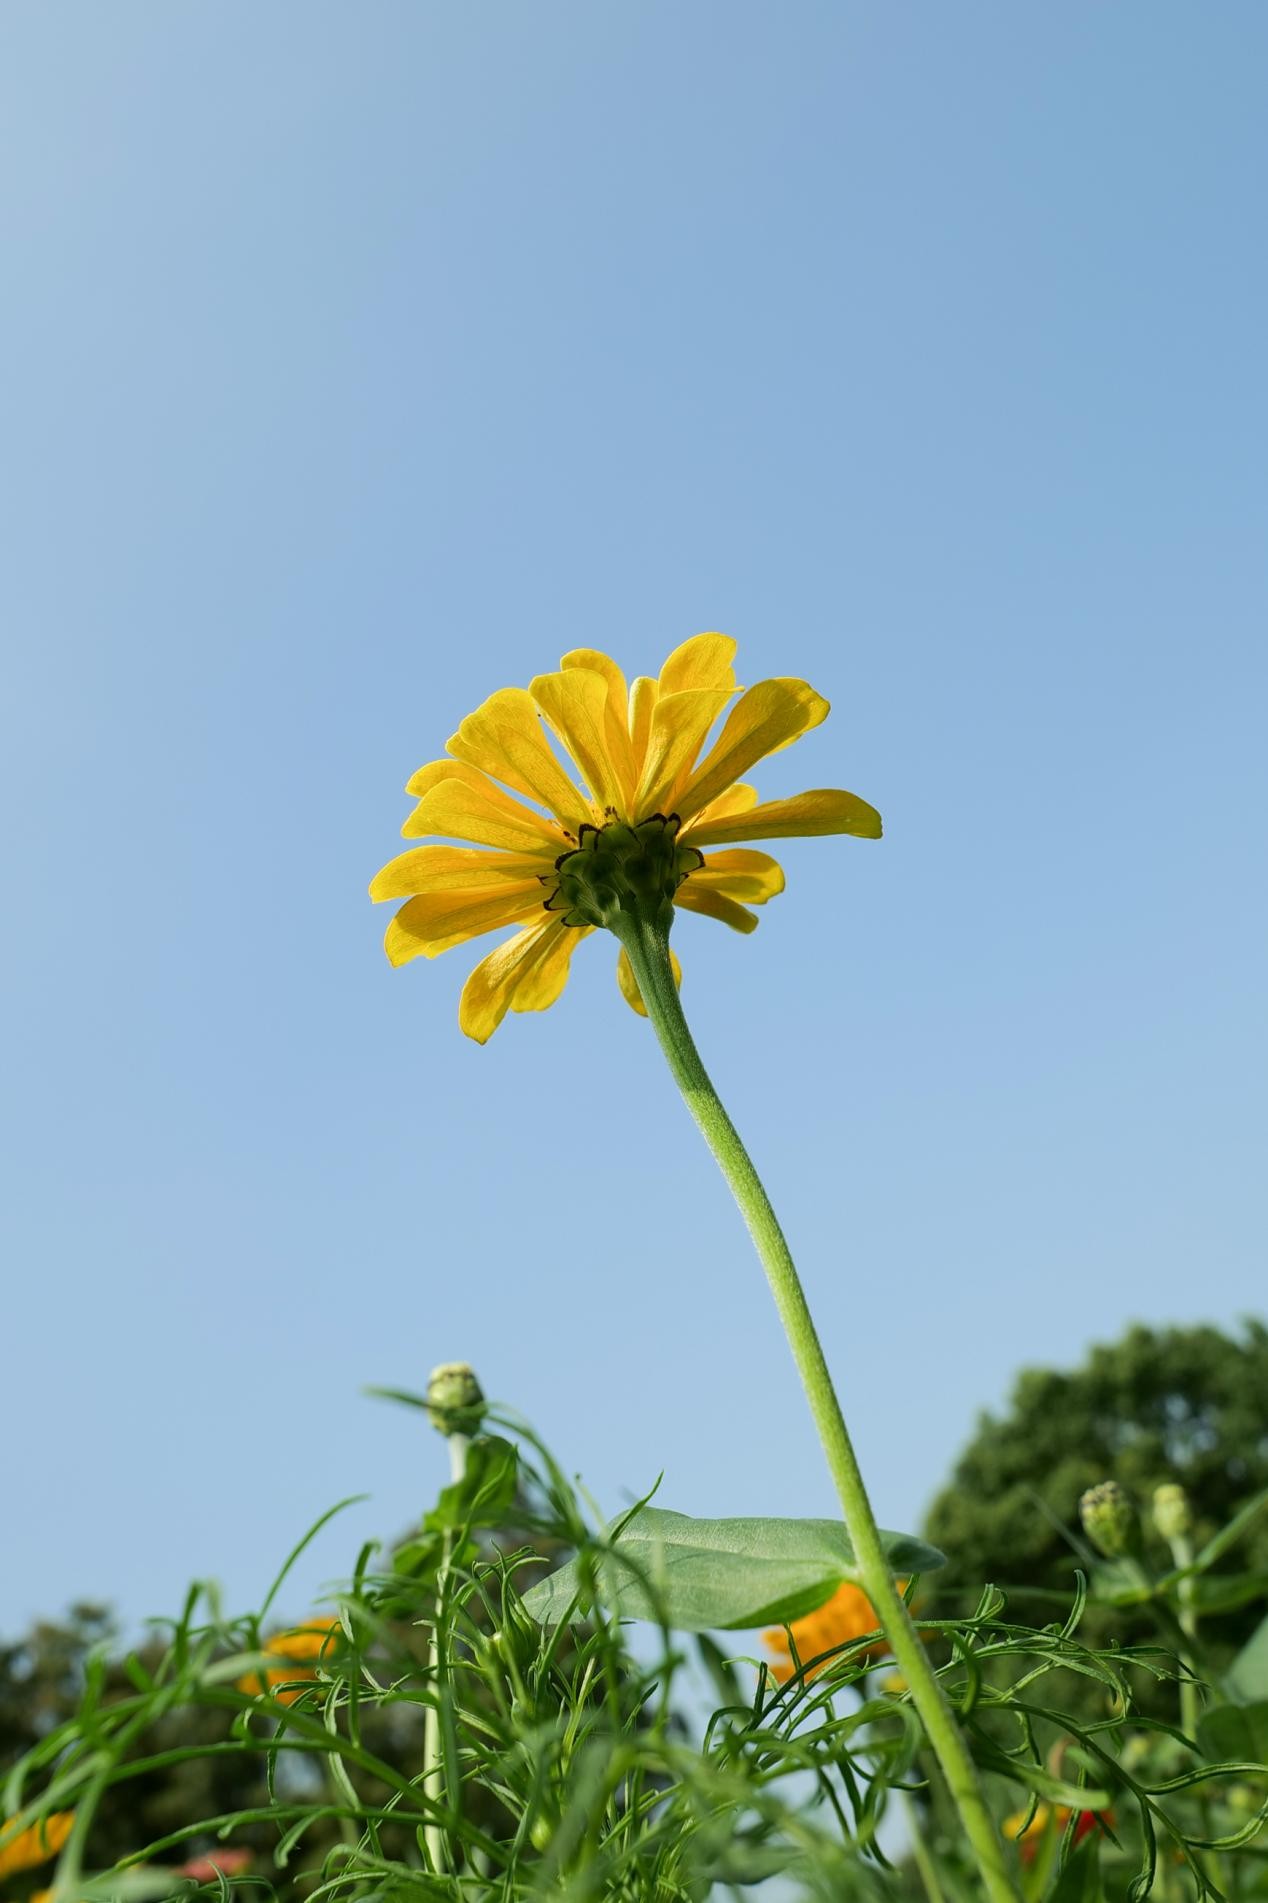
column 1173, row 1515
column 455, row 1399
column 623, row 868
column 1108, row 1514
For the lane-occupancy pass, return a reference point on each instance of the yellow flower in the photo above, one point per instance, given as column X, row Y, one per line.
column 297, row 1647
column 638, row 752
column 846, row 1616
column 36, row 1844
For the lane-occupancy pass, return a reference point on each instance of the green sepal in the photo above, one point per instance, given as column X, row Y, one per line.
column 702, row 1575
column 623, row 868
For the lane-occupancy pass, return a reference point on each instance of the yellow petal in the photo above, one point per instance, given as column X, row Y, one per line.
column 695, row 898
column 36, row 1844
column 541, row 987
column 765, row 718
column 643, row 697
column 629, row 983
column 751, row 876
column 704, row 661
column 599, row 663
column 680, row 723
column 437, row 770
column 487, row 816
column 616, row 724
column 737, row 799
column 487, row 994
column 825, row 810
column 575, row 702
column 454, row 869
column 427, row 925
column 504, row 738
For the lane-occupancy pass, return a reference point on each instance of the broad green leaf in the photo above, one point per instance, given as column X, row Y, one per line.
column 1235, row 1731
column 1121, row 1582
column 486, row 1489
column 1225, row 1592
column 700, row 1575
column 1247, row 1677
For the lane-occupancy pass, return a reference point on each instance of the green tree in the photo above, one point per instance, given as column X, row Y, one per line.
column 1188, row 1405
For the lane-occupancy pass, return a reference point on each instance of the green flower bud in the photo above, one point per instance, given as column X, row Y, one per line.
column 1173, row 1515
column 1108, row 1514
column 455, row 1399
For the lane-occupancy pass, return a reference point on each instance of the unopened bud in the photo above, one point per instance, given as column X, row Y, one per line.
column 455, row 1399
column 1109, row 1519
column 1173, row 1515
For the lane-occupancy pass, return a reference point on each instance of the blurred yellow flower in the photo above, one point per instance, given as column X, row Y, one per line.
column 637, row 749
column 848, row 1615
column 34, row 1845
column 296, row 1648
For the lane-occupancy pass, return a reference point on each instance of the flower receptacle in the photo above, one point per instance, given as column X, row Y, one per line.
column 622, row 868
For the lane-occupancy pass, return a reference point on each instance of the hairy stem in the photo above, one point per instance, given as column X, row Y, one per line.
column 647, row 947
column 432, row 1779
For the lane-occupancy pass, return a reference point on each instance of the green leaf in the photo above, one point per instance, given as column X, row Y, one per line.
column 1235, row 1731
column 699, row 1575
column 1225, row 1592
column 1054, row 1790
column 1227, row 1535
column 721, row 1669
column 1121, row 1582
column 1080, row 1881
column 1247, row 1677
column 484, row 1493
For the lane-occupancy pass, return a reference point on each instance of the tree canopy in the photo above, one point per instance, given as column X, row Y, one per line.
column 1186, row 1405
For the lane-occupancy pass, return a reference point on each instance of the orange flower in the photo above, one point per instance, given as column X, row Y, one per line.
column 36, row 1844
column 304, row 1643
column 847, row 1615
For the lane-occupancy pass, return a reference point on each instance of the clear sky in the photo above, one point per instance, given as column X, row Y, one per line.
column 358, row 360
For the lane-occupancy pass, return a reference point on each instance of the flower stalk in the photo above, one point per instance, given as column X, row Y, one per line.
column 455, row 1404
column 645, row 940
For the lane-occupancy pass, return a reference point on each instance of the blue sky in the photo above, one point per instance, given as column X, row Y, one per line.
column 359, row 361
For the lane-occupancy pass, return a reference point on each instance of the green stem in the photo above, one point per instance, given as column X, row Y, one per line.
column 647, row 947
column 432, row 1778
column 1190, row 1707
column 921, row 1855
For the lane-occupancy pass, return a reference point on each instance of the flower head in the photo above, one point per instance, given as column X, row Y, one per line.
column 455, row 1399
column 847, row 1615
column 1173, row 1514
column 1108, row 1513
column 652, row 815
column 297, row 1648
column 34, row 1845
column 217, row 1863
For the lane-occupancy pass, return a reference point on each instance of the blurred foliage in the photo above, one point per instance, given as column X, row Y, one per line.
column 447, row 1744
column 1187, row 1405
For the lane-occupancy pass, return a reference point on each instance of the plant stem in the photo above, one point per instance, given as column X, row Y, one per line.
column 1190, row 1708
column 433, row 1835
column 921, row 1855
column 647, row 947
